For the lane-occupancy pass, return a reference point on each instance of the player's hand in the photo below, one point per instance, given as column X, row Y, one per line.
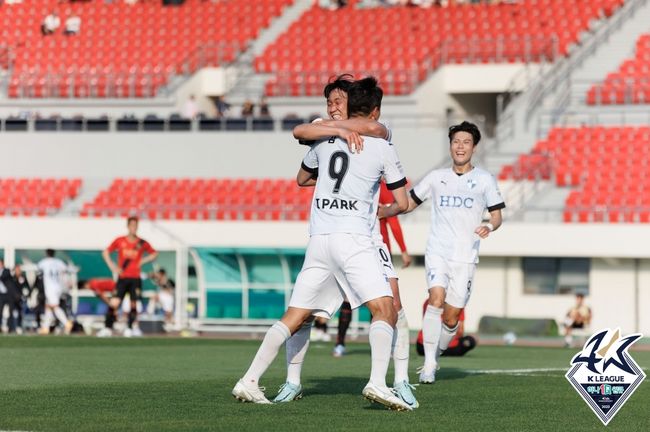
column 483, row 231
column 381, row 210
column 406, row 259
column 115, row 269
column 354, row 140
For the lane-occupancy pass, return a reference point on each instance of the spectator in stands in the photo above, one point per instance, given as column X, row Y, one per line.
column 264, row 107
column 578, row 317
column 72, row 25
column 222, row 106
column 248, row 108
column 190, row 109
column 50, row 24
column 7, row 297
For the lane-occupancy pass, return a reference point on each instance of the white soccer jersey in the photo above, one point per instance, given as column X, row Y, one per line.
column 457, row 206
column 53, row 270
column 347, row 189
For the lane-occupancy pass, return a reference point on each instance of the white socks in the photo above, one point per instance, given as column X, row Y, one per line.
column 381, row 338
column 297, row 346
column 275, row 337
column 60, row 315
column 401, row 349
column 446, row 336
column 47, row 318
column 431, row 329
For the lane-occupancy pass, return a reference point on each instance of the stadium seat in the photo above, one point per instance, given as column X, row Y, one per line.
column 36, row 196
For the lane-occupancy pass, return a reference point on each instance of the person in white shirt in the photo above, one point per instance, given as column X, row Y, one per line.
column 50, row 24
column 72, row 25
column 54, row 273
column 341, row 260
column 459, row 197
column 190, row 109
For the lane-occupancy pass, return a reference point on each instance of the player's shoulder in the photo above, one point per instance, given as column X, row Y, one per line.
column 482, row 173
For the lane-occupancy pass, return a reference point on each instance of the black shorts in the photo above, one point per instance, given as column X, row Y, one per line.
column 133, row 286
column 577, row 325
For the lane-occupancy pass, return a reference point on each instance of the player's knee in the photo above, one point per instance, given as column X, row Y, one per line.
column 383, row 310
column 450, row 321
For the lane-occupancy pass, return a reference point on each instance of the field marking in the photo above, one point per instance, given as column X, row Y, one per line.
column 519, row 372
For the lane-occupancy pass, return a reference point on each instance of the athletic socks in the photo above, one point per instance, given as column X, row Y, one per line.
column 48, row 317
column 446, row 336
column 381, row 337
column 133, row 316
column 297, row 346
column 431, row 329
column 275, row 337
column 345, row 317
column 60, row 315
column 401, row 349
column 110, row 317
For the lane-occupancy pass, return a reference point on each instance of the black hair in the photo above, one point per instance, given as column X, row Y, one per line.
column 162, row 271
column 131, row 219
column 581, row 295
column 364, row 95
column 468, row 127
column 49, row 252
column 341, row 82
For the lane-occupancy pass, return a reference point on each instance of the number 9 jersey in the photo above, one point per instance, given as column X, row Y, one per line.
column 347, row 188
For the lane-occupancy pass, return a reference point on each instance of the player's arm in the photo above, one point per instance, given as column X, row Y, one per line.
column 316, row 131
column 149, row 258
column 308, row 172
column 396, row 229
column 106, row 254
column 494, row 223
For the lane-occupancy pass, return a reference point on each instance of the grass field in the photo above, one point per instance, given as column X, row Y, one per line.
column 86, row 384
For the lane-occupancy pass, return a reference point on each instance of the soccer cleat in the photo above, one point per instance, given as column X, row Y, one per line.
column 105, row 332
column 339, row 351
column 426, row 376
column 288, row 392
column 136, row 332
column 68, row 327
column 127, row 332
column 44, row 331
column 403, row 391
column 246, row 393
column 384, row 396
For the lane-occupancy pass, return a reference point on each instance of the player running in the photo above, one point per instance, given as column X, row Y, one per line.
column 349, row 130
column 130, row 258
column 459, row 196
column 54, row 272
column 341, row 259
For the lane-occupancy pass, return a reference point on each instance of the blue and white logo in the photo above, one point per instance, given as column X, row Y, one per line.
column 471, row 183
column 605, row 374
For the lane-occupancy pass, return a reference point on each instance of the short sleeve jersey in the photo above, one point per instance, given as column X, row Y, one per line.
column 347, row 189
column 129, row 255
column 53, row 270
column 457, row 206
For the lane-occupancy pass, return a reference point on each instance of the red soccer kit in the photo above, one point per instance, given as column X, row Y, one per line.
column 386, row 197
column 101, row 285
column 129, row 255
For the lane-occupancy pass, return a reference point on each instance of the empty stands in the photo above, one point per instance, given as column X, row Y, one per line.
column 203, row 199
column 630, row 84
column 35, row 196
column 402, row 45
column 124, row 50
column 606, row 166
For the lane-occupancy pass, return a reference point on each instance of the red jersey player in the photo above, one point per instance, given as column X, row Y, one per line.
column 385, row 197
column 131, row 251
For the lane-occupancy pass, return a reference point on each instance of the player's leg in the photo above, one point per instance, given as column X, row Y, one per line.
column 296, row 346
column 431, row 331
column 450, row 317
column 134, row 295
column 247, row 388
column 345, row 318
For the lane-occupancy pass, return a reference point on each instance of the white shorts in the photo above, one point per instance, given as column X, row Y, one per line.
column 339, row 266
column 455, row 277
column 53, row 295
column 166, row 300
column 385, row 259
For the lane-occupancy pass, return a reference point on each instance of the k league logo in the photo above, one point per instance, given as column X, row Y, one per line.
column 605, row 374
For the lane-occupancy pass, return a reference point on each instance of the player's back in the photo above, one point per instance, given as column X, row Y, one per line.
column 53, row 270
column 345, row 198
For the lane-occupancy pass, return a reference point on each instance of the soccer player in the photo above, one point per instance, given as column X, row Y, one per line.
column 340, row 249
column 459, row 196
column 578, row 317
column 131, row 257
column 53, row 271
column 351, row 130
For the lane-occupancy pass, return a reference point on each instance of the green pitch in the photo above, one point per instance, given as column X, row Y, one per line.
column 85, row 384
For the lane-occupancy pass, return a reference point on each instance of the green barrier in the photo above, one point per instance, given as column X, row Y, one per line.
column 224, row 304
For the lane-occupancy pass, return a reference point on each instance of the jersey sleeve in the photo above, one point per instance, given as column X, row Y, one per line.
column 148, row 248
column 393, row 171
column 493, row 197
column 310, row 161
column 422, row 190
column 389, row 131
column 114, row 246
